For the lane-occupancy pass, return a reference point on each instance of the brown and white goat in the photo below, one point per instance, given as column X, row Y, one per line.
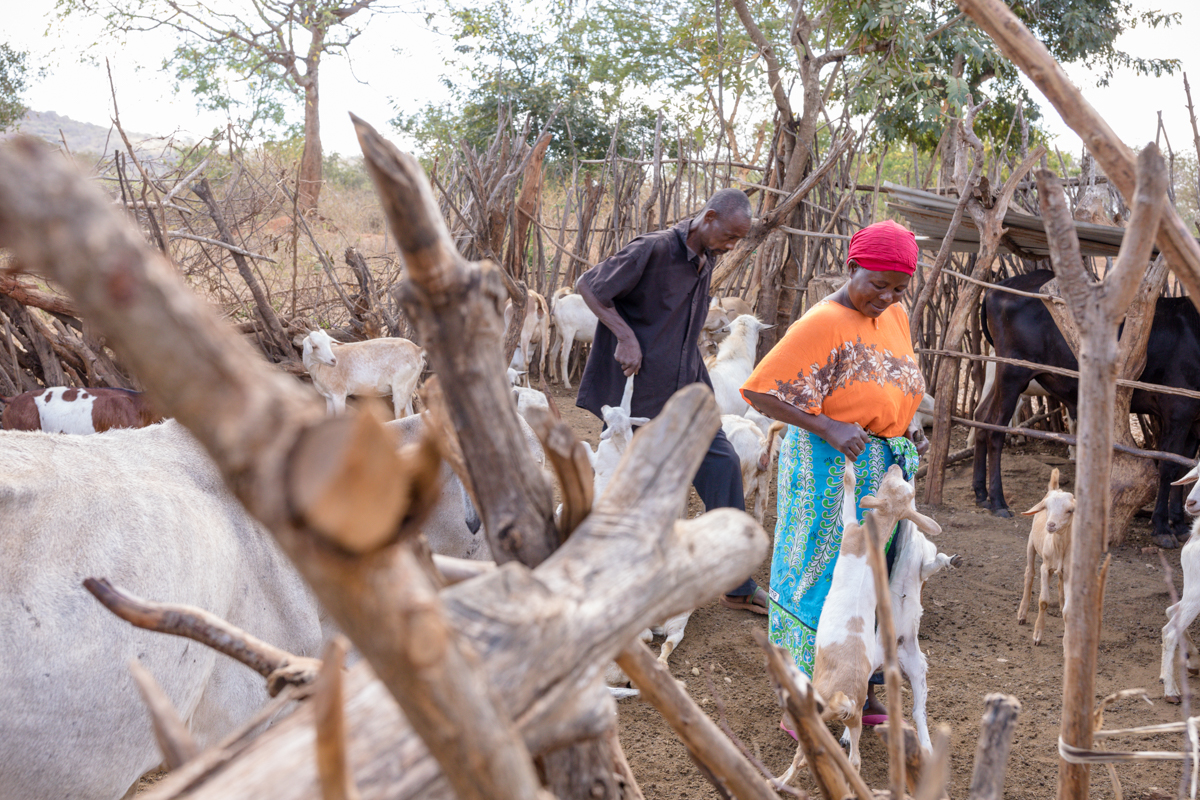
column 1050, row 538
column 535, row 332
column 848, row 646
column 373, row 368
column 62, row 409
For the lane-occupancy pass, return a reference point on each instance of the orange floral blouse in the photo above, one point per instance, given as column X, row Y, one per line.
column 839, row 362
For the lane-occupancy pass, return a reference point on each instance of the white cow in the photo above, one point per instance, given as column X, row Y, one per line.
column 148, row 510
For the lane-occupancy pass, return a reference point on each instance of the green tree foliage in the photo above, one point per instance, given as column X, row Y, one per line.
column 261, row 57
column 14, row 75
column 909, row 63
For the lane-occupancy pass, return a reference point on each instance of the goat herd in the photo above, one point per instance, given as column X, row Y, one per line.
column 148, row 510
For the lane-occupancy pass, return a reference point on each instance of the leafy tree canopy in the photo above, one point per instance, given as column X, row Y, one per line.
column 14, row 76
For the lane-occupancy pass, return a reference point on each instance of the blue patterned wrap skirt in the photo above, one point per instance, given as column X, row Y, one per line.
column 808, row 529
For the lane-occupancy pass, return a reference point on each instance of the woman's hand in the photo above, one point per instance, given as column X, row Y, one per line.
column 917, row 435
column 848, row 438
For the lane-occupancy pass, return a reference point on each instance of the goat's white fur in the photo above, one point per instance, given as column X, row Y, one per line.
column 147, row 509
column 1050, row 538
column 573, row 322
column 537, row 323
column 1182, row 614
column 848, row 647
column 373, row 368
column 734, row 363
column 756, row 451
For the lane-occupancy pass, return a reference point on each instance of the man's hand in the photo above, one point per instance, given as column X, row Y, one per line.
column 848, row 438
column 917, row 435
column 629, row 355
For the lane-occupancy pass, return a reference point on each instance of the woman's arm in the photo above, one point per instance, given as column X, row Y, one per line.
column 847, row 438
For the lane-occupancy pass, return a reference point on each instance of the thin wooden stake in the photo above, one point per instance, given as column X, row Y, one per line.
column 333, row 767
column 173, row 738
column 995, row 741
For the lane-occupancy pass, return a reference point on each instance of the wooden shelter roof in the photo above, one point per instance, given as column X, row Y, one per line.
column 929, row 215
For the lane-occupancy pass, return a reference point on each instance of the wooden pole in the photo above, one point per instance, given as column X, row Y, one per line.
column 995, row 742
column 1096, row 309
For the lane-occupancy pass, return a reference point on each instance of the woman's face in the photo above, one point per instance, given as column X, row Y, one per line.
column 872, row 292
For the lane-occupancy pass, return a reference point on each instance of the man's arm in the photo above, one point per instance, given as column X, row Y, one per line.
column 629, row 352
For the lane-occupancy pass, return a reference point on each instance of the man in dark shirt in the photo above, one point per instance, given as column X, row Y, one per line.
column 652, row 300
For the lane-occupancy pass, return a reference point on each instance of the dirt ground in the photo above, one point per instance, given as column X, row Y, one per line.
column 970, row 636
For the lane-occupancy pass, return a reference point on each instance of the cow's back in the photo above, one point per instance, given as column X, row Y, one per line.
column 146, row 509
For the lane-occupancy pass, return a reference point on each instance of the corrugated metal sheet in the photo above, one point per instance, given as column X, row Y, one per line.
column 929, row 217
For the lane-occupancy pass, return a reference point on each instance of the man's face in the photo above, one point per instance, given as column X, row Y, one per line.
column 720, row 233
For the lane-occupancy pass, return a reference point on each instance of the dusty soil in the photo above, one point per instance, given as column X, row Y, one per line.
column 974, row 646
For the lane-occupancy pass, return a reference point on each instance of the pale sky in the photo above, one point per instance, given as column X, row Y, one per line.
column 378, row 76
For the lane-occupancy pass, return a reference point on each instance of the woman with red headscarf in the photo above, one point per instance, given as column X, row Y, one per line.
column 846, row 381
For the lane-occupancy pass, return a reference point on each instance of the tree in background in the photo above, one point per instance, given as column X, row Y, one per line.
column 271, row 50
column 14, row 74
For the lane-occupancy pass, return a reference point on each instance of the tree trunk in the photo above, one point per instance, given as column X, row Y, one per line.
column 312, row 159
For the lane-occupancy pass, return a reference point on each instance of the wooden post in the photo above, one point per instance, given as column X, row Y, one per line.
column 995, row 742
column 1096, row 309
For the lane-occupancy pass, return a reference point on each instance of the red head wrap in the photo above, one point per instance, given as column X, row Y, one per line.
column 884, row 247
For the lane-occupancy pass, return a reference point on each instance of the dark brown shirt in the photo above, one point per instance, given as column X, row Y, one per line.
column 660, row 289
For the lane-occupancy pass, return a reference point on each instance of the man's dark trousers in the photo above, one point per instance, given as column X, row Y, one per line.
column 719, row 484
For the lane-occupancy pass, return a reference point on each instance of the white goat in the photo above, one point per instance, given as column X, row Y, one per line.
column 1180, row 615
column 537, row 323
column 848, row 646
column 1050, row 538
column 147, row 509
column 373, row 368
column 734, row 363
column 755, row 451
column 527, row 398
column 574, row 322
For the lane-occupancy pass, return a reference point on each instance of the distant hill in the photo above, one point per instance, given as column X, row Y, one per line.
column 84, row 137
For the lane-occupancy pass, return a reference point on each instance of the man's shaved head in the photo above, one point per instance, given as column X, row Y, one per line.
column 729, row 203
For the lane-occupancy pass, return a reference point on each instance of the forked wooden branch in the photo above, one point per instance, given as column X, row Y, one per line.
column 279, row 667
column 174, row 740
column 1096, row 309
column 1118, row 162
column 457, row 309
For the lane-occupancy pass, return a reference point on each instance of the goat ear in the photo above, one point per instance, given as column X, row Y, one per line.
column 870, row 501
column 924, row 524
column 637, row 422
column 1041, row 506
column 1190, row 477
column 1054, row 479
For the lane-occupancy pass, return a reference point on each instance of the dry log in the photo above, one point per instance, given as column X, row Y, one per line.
column 28, row 295
column 453, row 304
column 936, row 775
column 914, row 759
column 174, row 740
column 1096, row 309
column 995, row 742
